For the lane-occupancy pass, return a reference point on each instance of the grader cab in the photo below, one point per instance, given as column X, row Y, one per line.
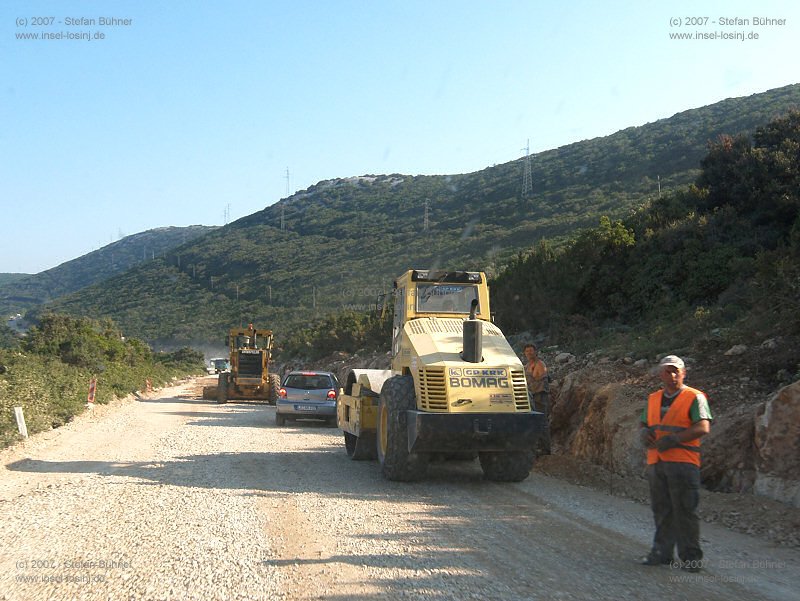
column 455, row 388
column 249, row 376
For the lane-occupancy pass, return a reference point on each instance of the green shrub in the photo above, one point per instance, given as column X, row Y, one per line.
column 50, row 378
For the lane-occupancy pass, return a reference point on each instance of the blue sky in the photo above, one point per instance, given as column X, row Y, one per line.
column 194, row 107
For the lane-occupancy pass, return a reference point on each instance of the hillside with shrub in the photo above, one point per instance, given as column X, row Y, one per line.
column 702, row 267
column 19, row 292
column 8, row 278
column 47, row 373
column 337, row 245
column 722, row 254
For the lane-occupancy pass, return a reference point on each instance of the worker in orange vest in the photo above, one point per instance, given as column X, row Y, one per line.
column 672, row 424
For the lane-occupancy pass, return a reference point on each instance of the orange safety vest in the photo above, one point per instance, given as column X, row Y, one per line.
column 675, row 420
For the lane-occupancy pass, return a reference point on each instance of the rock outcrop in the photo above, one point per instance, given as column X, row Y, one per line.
column 595, row 417
column 777, row 441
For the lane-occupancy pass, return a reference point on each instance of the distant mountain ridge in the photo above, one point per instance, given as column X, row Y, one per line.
column 339, row 243
column 19, row 292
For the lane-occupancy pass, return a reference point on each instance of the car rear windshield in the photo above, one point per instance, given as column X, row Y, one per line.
column 308, row 382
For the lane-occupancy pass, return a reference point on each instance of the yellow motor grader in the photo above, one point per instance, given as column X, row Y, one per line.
column 455, row 387
column 249, row 377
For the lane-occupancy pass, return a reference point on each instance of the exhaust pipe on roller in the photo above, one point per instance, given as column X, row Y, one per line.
column 472, row 337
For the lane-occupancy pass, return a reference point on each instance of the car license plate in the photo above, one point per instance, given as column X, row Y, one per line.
column 306, row 408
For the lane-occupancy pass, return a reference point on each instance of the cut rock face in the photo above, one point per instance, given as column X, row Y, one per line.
column 777, row 439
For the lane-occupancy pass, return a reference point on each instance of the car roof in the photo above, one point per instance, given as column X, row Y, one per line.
column 309, row 372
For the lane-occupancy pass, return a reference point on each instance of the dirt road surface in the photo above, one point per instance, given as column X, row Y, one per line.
column 173, row 497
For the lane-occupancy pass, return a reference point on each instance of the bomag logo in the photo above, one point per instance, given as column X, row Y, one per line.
column 476, row 377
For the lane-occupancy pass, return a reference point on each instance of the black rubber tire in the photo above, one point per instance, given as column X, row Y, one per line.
column 506, row 466
column 397, row 395
column 350, row 442
column 359, row 448
column 280, row 420
column 274, row 388
column 222, row 389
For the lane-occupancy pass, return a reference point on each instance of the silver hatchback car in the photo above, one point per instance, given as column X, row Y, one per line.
column 307, row 395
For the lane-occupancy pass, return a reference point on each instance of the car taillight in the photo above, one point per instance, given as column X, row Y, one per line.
column 331, row 394
column 282, row 393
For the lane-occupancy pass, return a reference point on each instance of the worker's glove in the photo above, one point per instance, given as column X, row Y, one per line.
column 667, row 442
column 646, row 437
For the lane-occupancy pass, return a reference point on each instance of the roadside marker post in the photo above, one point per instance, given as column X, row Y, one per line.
column 92, row 390
column 23, row 429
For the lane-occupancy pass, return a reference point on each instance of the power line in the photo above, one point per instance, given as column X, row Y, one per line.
column 527, row 183
column 283, row 208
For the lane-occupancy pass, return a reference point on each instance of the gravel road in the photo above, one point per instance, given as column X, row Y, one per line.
column 173, row 497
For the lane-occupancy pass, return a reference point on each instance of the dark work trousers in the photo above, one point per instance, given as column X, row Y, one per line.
column 674, row 497
column 541, row 401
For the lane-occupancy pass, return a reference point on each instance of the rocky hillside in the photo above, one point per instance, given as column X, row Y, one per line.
column 337, row 244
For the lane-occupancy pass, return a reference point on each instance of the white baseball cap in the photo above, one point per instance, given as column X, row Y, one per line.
column 672, row 360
